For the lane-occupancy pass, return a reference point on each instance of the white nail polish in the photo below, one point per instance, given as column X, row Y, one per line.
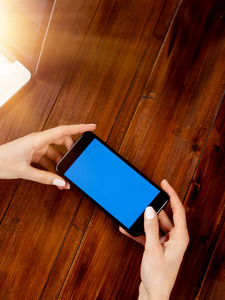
column 149, row 213
column 59, row 182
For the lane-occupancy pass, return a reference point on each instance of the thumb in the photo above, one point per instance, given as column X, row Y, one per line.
column 151, row 226
column 45, row 177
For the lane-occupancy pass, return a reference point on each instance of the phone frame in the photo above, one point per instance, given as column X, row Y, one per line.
column 70, row 157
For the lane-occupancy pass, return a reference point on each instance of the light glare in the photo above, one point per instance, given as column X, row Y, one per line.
column 12, row 78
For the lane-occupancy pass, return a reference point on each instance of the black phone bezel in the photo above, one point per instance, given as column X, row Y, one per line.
column 82, row 143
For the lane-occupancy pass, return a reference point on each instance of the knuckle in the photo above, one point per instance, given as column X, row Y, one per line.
column 185, row 237
column 61, row 128
column 35, row 138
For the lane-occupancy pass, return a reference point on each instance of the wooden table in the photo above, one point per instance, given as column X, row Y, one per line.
column 151, row 75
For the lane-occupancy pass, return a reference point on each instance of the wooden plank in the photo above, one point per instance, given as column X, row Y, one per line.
column 205, row 214
column 27, row 111
column 17, row 117
column 41, row 235
column 7, row 191
column 31, row 236
column 104, row 267
column 108, row 61
column 178, row 105
column 213, row 285
column 176, row 125
column 37, row 266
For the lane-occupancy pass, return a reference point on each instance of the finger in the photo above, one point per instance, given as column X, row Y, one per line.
column 53, row 154
column 179, row 216
column 164, row 222
column 139, row 239
column 67, row 142
column 44, row 177
column 56, row 134
column 48, row 164
column 164, row 239
column 151, row 227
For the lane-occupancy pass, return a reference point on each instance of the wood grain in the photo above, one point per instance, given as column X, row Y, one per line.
column 92, row 99
column 151, row 74
column 213, row 285
column 28, row 111
column 205, row 213
column 174, row 115
column 146, row 129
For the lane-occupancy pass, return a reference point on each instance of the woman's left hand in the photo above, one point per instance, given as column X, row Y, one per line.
column 17, row 156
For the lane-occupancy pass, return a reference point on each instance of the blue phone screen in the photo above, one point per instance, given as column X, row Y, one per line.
column 113, row 184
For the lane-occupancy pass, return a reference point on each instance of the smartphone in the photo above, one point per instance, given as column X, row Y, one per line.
column 111, row 182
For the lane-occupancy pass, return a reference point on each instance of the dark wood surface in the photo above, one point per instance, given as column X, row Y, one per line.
column 151, row 75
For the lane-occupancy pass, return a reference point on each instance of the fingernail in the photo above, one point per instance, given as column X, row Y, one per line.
column 68, row 185
column 59, row 182
column 165, row 180
column 149, row 213
column 92, row 124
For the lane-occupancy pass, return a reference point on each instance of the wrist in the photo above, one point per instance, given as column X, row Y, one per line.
column 144, row 294
column 6, row 170
column 2, row 167
column 153, row 297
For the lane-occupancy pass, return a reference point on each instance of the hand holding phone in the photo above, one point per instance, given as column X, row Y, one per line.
column 162, row 257
column 111, row 182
